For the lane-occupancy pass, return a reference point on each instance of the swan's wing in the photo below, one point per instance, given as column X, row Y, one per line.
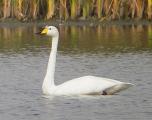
column 117, row 88
column 90, row 85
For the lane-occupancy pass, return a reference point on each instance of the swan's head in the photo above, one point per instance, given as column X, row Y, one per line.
column 49, row 31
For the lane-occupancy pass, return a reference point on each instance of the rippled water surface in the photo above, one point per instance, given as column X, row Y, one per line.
column 118, row 52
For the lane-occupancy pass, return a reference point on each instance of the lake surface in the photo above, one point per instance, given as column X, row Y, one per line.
column 119, row 52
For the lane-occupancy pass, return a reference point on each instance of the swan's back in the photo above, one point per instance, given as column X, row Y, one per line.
column 90, row 85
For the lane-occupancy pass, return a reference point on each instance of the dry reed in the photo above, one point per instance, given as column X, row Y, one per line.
column 76, row 9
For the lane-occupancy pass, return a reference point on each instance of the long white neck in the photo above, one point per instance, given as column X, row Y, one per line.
column 49, row 78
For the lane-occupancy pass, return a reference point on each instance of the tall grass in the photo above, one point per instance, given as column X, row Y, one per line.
column 50, row 8
column 149, row 9
column 33, row 5
column 76, row 9
column 18, row 9
column 99, row 8
column 6, row 8
column 63, row 11
column 73, row 6
column 86, row 8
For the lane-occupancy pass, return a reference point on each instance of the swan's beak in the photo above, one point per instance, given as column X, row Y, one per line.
column 43, row 31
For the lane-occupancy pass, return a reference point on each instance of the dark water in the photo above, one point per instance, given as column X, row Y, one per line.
column 118, row 52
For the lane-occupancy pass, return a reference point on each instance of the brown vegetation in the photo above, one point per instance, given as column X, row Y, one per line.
column 76, row 9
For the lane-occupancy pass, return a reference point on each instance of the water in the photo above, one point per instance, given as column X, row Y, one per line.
column 118, row 52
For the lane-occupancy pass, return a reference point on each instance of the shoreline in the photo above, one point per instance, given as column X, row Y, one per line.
column 91, row 23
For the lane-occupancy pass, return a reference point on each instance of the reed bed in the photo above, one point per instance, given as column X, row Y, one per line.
column 25, row 10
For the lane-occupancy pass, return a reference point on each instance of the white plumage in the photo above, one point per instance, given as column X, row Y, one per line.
column 87, row 85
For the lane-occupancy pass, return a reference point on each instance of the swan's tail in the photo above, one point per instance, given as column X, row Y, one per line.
column 117, row 88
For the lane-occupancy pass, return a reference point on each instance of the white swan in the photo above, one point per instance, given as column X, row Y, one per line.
column 87, row 85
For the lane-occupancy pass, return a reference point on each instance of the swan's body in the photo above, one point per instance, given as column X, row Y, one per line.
column 87, row 85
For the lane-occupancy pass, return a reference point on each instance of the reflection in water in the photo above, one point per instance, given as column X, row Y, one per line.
column 79, row 39
column 112, row 38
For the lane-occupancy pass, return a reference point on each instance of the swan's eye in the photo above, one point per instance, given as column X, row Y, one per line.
column 49, row 28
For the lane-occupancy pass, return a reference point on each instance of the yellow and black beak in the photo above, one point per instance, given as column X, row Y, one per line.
column 44, row 31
